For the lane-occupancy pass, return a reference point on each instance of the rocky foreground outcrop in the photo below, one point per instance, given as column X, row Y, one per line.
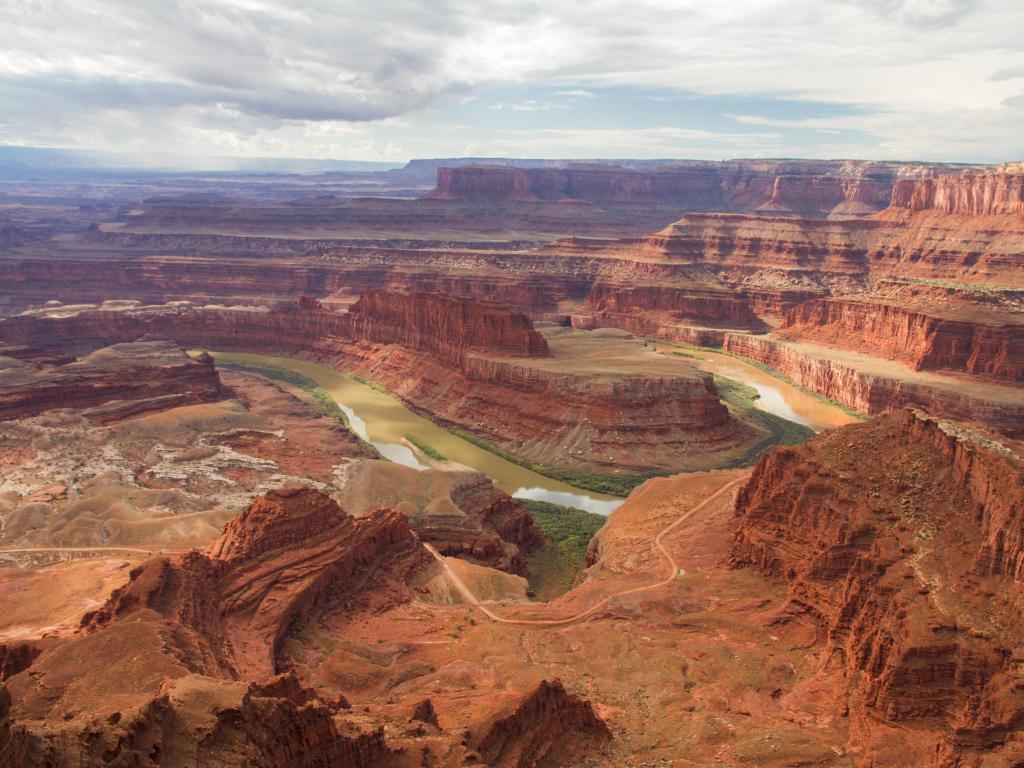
column 289, row 558
column 190, row 663
column 118, row 381
column 902, row 539
column 545, row 728
column 185, row 636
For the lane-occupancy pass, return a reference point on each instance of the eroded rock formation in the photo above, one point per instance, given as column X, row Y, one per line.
column 966, row 228
column 183, row 631
column 447, row 326
column 569, row 731
column 681, row 304
column 968, row 194
column 281, row 563
column 899, row 560
column 873, row 385
column 203, row 675
column 810, row 188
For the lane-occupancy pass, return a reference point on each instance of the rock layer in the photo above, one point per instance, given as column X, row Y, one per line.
column 975, row 343
column 811, row 188
column 968, row 194
column 446, row 326
column 966, row 228
column 122, row 380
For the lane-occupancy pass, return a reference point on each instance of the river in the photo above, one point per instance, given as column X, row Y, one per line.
column 384, row 421
column 776, row 396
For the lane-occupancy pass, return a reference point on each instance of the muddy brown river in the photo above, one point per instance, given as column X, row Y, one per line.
column 776, row 396
column 384, row 421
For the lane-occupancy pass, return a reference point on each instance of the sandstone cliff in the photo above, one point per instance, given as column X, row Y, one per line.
column 799, row 187
column 785, row 252
column 446, row 326
column 694, row 304
column 970, row 193
column 840, row 197
column 874, row 385
column 971, row 338
column 894, row 537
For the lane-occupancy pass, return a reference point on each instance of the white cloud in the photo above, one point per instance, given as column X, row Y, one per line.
column 643, row 143
column 530, row 105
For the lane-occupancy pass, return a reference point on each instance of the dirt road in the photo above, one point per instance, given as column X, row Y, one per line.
column 472, row 599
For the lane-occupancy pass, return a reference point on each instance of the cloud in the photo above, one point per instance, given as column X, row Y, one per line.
column 921, row 13
column 530, row 105
column 644, row 143
column 1008, row 73
column 255, row 57
column 254, row 74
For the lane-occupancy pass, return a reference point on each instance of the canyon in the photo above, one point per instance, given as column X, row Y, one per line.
column 185, row 497
column 849, row 601
column 552, row 399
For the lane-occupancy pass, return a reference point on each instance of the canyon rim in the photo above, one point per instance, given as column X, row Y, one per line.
column 411, row 385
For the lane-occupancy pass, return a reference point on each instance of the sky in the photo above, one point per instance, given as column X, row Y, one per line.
column 390, row 80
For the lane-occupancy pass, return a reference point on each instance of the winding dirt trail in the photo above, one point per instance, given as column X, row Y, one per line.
column 472, row 599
